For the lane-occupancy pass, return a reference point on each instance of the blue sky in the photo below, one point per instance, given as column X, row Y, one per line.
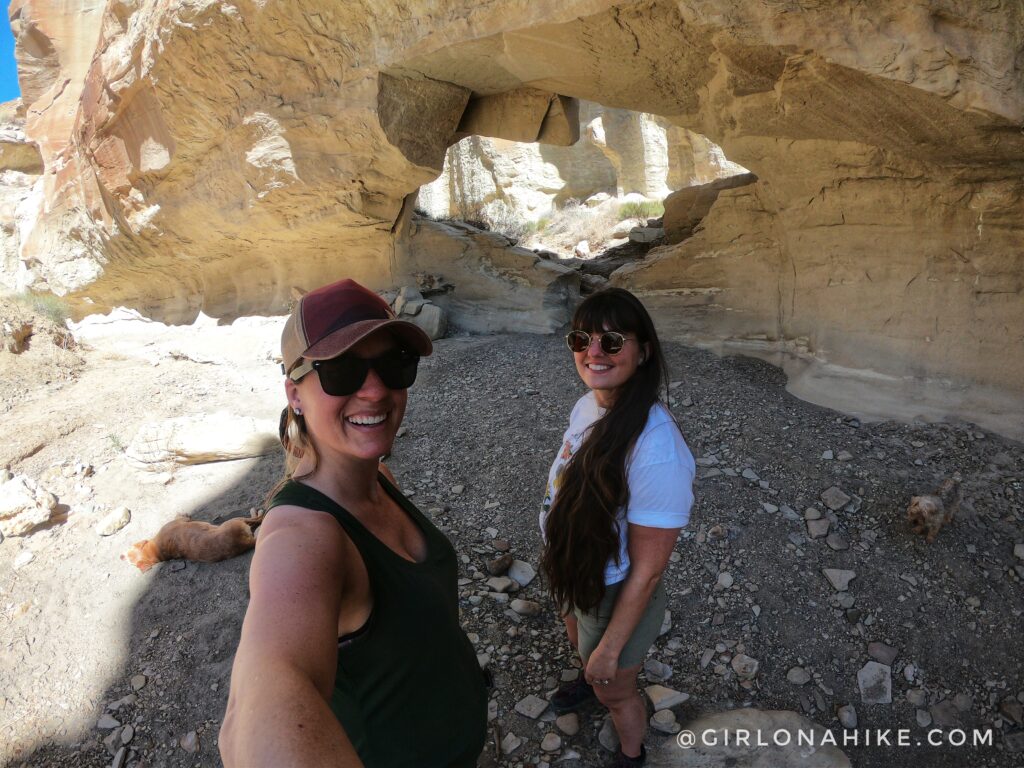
column 8, row 74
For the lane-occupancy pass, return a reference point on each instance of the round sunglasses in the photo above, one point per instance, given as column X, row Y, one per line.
column 344, row 375
column 611, row 341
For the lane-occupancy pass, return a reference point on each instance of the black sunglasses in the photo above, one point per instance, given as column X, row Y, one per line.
column 344, row 375
column 611, row 341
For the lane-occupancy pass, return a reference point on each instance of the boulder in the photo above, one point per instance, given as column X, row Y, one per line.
column 24, row 505
column 432, row 319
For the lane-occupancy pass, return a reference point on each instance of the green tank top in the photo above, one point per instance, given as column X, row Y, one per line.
column 408, row 691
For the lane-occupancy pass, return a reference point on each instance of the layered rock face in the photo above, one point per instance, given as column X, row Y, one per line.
column 207, row 155
column 20, row 169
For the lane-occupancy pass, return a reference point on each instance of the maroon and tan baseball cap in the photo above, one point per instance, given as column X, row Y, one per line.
column 328, row 321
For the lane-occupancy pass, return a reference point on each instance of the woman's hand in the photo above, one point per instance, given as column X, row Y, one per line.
column 601, row 667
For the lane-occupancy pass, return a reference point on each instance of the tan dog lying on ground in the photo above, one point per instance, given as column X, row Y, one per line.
column 927, row 514
column 187, row 539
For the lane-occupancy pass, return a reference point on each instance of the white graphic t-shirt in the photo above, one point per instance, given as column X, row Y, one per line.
column 660, row 476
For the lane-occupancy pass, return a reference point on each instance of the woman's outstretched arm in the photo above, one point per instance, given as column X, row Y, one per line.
column 283, row 675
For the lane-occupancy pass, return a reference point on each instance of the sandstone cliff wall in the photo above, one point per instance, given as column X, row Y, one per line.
column 209, row 156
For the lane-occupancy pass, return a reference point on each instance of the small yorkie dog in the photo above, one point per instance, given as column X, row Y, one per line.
column 927, row 514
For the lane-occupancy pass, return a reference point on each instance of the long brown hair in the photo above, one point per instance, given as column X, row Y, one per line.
column 581, row 529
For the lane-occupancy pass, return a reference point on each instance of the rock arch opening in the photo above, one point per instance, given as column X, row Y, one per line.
column 881, row 236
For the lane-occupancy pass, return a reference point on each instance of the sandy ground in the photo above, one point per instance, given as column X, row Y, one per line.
column 86, row 639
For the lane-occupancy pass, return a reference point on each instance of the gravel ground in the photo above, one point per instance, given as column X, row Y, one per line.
column 483, row 423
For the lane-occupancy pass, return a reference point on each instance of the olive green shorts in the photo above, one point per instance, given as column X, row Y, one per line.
column 593, row 624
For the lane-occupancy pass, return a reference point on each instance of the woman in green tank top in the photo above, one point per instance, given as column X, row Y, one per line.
column 351, row 652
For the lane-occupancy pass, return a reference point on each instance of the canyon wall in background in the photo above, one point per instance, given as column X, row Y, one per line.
column 210, row 156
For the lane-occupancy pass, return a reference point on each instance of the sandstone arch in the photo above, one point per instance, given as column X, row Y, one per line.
column 221, row 153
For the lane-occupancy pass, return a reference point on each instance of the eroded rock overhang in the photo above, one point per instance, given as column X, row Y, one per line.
column 220, row 154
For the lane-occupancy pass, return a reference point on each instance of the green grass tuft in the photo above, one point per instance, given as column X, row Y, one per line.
column 46, row 304
column 648, row 209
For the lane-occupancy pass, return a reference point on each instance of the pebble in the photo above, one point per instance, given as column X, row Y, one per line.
column 551, row 742
column 916, row 697
column 963, row 702
column 106, row 722
column 1014, row 741
column 845, row 456
column 114, row 521
column 798, row 676
column 827, row 455
column 189, row 742
column 1018, row 551
column 119, row 758
column 789, row 513
column 568, row 724
column 526, row 607
column 665, row 698
column 510, row 743
column 924, row 719
column 23, row 559
column 607, row 736
column 127, row 734
column 875, row 683
column 522, row 572
column 834, row 498
column 458, row 489
column 839, row 579
column 657, row 671
column 751, row 475
column 499, row 566
column 725, row 581
column 812, row 513
column 744, row 666
column 499, row 583
column 817, row 529
column 847, row 716
column 837, row 542
column 138, row 682
column 882, row 653
column 531, row 706
column 945, row 714
column 664, row 720
column 1012, row 709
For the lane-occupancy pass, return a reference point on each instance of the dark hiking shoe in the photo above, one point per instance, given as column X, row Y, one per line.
column 622, row 761
column 572, row 696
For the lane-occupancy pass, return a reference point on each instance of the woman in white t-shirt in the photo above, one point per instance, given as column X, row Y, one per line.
column 618, row 493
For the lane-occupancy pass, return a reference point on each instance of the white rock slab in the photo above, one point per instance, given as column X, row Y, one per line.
column 202, row 439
